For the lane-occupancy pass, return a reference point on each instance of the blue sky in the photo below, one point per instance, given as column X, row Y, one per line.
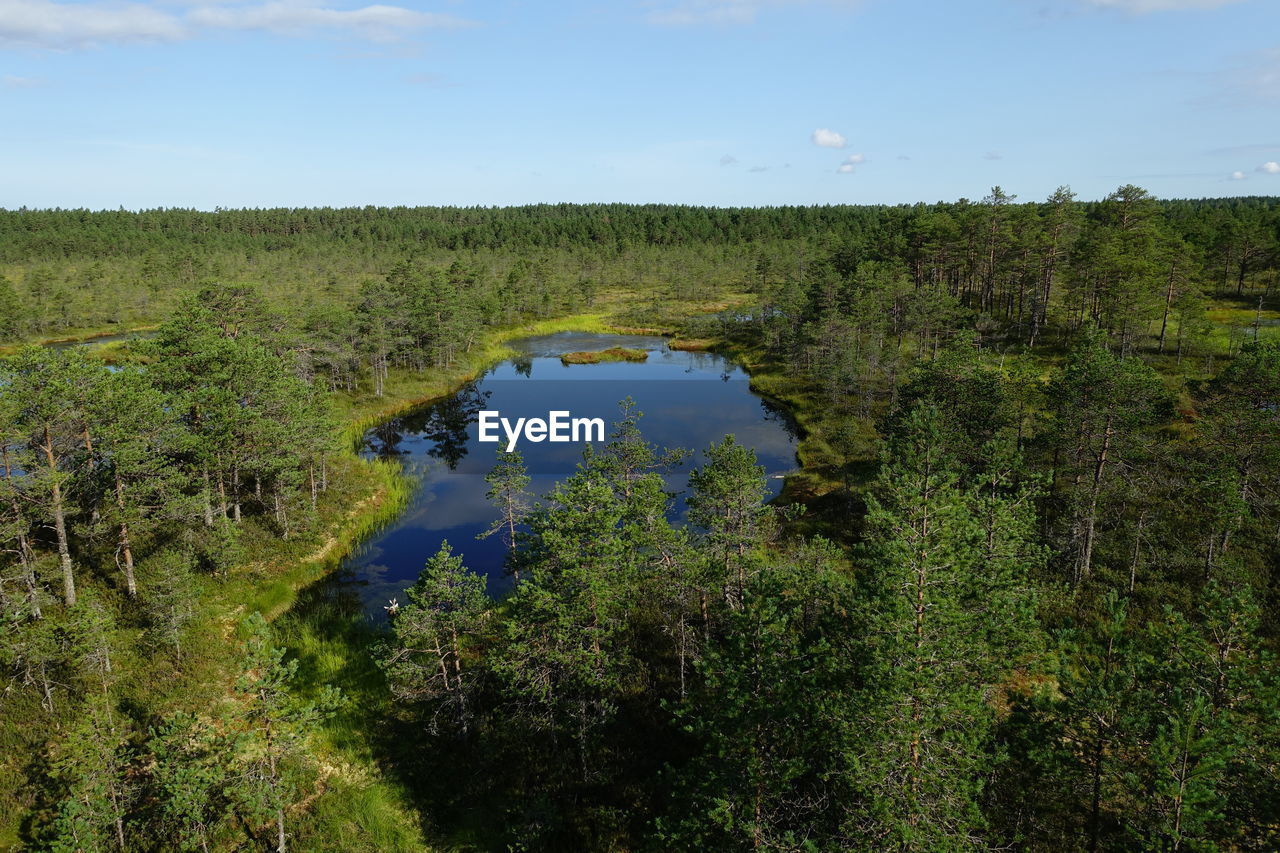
column 233, row 103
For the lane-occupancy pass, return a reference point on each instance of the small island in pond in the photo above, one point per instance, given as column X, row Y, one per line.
column 611, row 354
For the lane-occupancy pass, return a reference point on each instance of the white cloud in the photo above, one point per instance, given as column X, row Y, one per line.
column 828, row 138
column 66, row 26
column 12, row 81
column 758, row 169
column 687, row 13
column 41, row 23
column 376, row 22
column 993, row 155
column 847, row 165
column 1271, row 168
column 728, row 160
column 1144, row 6
column 1237, row 176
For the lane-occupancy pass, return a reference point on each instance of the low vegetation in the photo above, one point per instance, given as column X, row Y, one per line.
column 611, row 354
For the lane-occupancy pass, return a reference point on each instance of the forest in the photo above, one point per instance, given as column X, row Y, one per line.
column 1022, row 591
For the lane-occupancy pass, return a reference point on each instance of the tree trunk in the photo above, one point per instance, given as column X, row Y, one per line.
column 208, row 499
column 26, row 558
column 60, row 523
column 130, row 583
column 282, row 515
column 1085, row 564
column 1095, row 804
column 235, row 493
column 222, row 494
column 1168, row 302
column 275, row 782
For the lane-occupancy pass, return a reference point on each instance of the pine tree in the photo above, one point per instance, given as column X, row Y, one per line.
column 11, row 325
column 945, row 617
column 90, row 766
column 763, row 715
column 1093, row 723
column 728, row 504
column 273, row 725
column 190, row 779
column 507, row 483
column 425, row 663
column 138, row 438
column 1242, row 435
column 1103, row 406
column 170, row 598
column 1212, row 694
column 50, row 390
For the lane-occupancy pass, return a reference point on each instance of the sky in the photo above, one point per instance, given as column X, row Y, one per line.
column 291, row 103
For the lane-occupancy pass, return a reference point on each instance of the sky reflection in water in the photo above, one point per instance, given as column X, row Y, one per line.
column 688, row 400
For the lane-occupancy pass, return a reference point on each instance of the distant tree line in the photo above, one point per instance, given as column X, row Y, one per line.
column 1125, row 262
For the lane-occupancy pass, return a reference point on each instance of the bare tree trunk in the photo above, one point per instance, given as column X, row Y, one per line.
column 1168, row 302
column 1085, row 564
column 60, row 522
column 235, row 493
column 130, row 582
column 208, row 499
column 25, row 555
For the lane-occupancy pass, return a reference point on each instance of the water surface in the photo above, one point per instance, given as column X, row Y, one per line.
column 688, row 399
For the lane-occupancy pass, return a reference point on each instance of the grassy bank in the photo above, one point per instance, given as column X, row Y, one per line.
column 86, row 335
column 406, row 389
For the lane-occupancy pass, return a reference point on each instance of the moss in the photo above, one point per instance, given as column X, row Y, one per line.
column 690, row 344
column 611, row 354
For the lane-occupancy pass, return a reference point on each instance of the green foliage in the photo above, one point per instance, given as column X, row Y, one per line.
column 507, row 483
column 1105, row 409
column 763, row 714
column 271, row 726
column 11, row 319
column 432, row 633
column 719, row 684
column 946, row 616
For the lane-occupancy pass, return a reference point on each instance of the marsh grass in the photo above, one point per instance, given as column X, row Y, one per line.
column 611, row 354
column 691, row 344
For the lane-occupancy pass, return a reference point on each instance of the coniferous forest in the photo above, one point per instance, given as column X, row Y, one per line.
column 1021, row 592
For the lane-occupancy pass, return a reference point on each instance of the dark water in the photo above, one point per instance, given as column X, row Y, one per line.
column 688, row 400
column 103, row 339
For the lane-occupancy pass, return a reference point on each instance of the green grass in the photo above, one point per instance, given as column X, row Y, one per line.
column 691, row 344
column 611, row 354
column 362, row 808
column 75, row 335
